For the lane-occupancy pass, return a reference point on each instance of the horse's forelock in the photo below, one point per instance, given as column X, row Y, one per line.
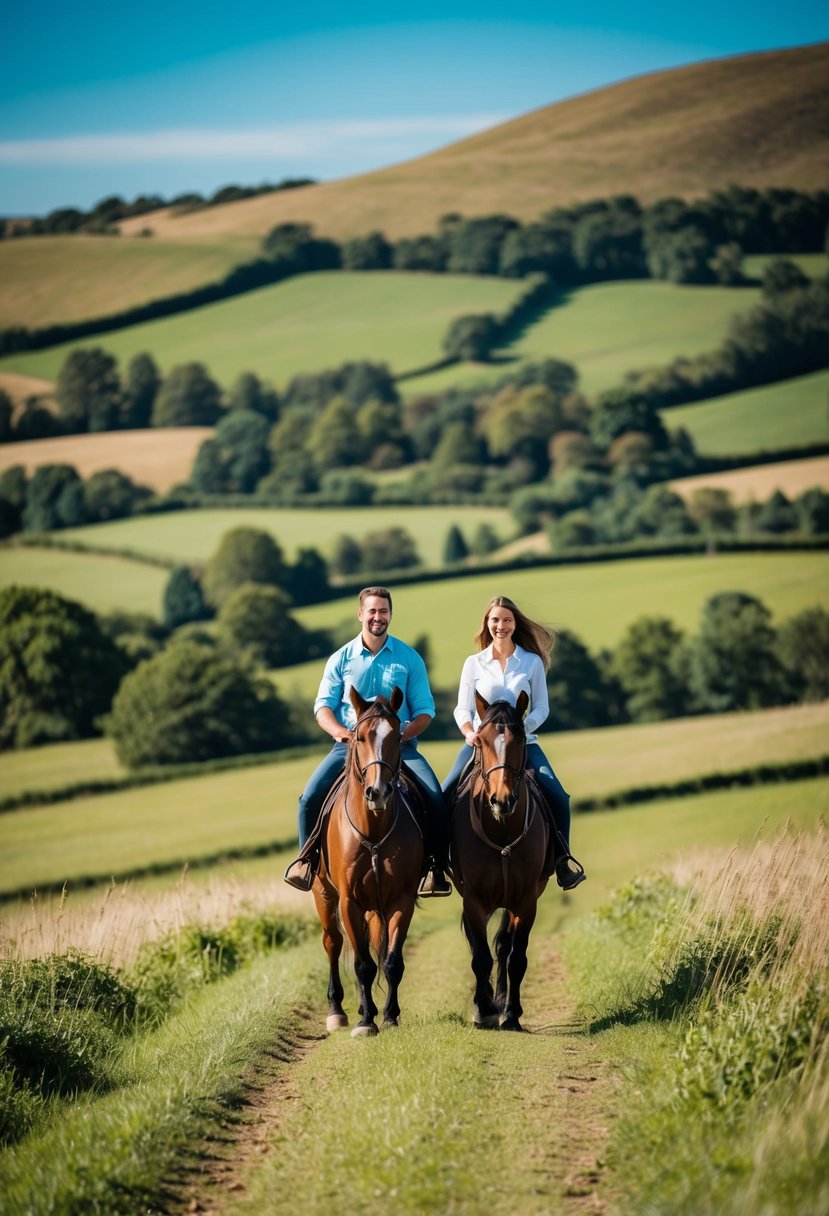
column 503, row 713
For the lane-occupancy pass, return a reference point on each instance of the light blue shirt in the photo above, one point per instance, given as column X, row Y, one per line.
column 374, row 675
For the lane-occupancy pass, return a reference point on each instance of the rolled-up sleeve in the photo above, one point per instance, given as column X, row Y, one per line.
column 539, row 700
column 332, row 686
column 418, row 693
column 465, row 708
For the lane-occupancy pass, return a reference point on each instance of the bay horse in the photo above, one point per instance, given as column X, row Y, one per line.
column 499, row 844
column 371, row 863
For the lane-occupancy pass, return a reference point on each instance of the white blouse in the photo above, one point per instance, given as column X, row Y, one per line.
column 524, row 672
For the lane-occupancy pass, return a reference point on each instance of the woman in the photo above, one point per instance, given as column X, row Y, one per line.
column 513, row 655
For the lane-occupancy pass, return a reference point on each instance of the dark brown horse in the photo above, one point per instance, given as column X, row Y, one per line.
column 372, row 860
column 499, row 845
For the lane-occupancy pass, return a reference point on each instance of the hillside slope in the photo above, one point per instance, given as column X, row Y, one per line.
column 758, row 120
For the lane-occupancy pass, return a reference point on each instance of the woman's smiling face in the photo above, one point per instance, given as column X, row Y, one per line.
column 501, row 624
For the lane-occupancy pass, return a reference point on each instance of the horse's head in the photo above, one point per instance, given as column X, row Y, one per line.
column 375, row 746
column 503, row 746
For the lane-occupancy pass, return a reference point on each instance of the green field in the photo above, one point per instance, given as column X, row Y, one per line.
column 597, row 601
column 193, row 536
column 102, row 583
column 51, row 279
column 609, row 329
column 305, row 324
column 183, row 820
column 789, row 414
column 813, row 264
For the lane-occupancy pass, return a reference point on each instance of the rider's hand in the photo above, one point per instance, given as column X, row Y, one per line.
column 471, row 738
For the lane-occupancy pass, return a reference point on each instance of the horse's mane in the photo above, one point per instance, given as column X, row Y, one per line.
column 503, row 713
column 378, row 708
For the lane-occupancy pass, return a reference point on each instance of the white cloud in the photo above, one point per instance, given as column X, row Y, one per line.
column 294, row 141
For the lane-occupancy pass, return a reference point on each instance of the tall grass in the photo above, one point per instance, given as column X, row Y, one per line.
column 733, row 1107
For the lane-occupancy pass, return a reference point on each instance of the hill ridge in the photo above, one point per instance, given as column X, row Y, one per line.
column 759, row 119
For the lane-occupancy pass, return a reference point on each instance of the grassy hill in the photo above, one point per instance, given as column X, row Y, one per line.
column 759, row 120
column 787, row 414
column 306, row 324
column 317, row 321
column 49, row 279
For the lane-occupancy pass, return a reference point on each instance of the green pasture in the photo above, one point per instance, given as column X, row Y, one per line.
column 789, row 414
column 815, row 265
column 305, row 324
column 102, row 583
column 609, row 329
column 52, row 279
column 183, row 820
column 193, row 536
column 596, row 601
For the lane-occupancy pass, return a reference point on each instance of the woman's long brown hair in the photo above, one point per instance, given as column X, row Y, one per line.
column 528, row 633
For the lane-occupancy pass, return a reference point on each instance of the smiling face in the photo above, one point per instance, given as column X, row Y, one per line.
column 501, row 624
column 375, row 616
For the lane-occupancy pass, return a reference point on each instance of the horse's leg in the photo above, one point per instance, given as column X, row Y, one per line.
column 503, row 945
column 516, row 968
column 332, row 940
column 365, row 969
column 393, row 965
column 474, row 921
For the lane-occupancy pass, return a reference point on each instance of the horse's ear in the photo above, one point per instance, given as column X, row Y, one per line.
column 360, row 706
column 480, row 704
column 396, row 698
column 522, row 703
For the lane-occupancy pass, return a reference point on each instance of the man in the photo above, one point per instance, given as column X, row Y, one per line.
column 373, row 663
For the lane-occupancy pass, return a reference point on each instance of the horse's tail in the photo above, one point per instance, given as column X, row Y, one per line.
column 378, row 930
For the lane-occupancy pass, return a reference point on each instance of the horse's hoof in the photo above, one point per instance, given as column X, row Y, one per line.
column 490, row 1022
column 390, row 1024
column 361, row 1032
column 511, row 1024
column 335, row 1021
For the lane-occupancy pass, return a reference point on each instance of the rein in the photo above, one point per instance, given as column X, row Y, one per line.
column 475, row 813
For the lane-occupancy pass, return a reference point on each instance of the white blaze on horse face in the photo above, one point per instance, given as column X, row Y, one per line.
column 500, row 746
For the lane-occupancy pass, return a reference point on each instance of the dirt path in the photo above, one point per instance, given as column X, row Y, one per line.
column 556, row 1095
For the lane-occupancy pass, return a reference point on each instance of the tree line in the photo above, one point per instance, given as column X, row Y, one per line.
column 172, row 694
column 602, row 239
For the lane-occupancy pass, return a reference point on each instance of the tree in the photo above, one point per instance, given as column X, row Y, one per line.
column 54, row 499
column 58, row 671
column 192, row 703
column 346, row 555
column 646, row 665
column 389, row 549
column 455, row 548
column 781, row 276
column 485, row 540
column 620, row 410
column 109, row 494
column 307, row 578
column 713, row 509
column 333, row 440
column 370, row 252
column 803, row 647
column 244, row 555
column 295, row 250
column 256, row 622
column 183, row 600
column 727, row 264
column 521, row 422
column 36, row 422
column 475, row 245
column 472, row 338
column 681, row 257
column 13, row 484
column 732, row 662
column 88, row 391
column 458, row 444
column 188, row 397
column 236, row 458
column 251, row 393
column 580, row 696
column 141, row 389
column 6, row 415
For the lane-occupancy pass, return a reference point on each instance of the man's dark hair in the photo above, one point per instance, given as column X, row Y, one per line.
column 382, row 592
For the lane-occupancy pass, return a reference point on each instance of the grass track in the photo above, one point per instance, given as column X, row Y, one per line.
column 305, row 324
column 193, row 536
column 776, row 416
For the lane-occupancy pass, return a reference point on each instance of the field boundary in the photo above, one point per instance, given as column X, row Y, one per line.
column 792, row 770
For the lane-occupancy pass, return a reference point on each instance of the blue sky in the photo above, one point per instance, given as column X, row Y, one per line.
column 102, row 99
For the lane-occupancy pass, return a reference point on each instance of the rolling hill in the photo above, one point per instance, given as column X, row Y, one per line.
column 757, row 120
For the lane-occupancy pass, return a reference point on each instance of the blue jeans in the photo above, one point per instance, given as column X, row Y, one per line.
column 555, row 791
column 327, row 771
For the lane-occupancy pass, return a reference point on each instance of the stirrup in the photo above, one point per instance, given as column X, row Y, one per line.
column 434, row 883
column 572, row 877
column 302, row 879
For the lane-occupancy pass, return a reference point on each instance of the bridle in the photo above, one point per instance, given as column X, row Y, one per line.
column 510, row 768
column 394, row 770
